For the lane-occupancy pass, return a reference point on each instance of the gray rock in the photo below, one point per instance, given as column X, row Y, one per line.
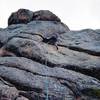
column 24, row 16
column 7, row 92
column 87, row 40
column 21, row 16
column 34, row 27
column 68, row 69
column 63, row 57
column 45, row 15
column 29, row 75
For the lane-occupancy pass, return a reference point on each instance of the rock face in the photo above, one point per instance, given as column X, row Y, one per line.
column 68, row 69
column 45, row 15
column 25, row 16
column 21, row 16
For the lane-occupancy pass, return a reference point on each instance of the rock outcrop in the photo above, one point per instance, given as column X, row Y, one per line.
column 68, row 69
column 25, row 16
column 45, row 15
column 21, row 16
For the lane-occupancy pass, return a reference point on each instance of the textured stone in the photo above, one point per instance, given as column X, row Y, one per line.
column 25, row 16
column 68, row 69
column 45, row 15
column 21, row 16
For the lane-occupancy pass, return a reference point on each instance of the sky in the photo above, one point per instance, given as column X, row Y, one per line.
column 77, row 14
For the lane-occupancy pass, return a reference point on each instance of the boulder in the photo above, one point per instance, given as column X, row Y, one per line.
column 25, row 16
column 45, row 15
column 20, row 16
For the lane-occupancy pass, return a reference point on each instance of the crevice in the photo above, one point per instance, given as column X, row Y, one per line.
column 14, row 36
column 14, row 50
column 90, row 72
column 5, row 82
column 26, row 88
column 41, row 61
column 93, row 72
column 74, row 88
column 1, row 44
column 93, row 92
column 32, row 95
column 36, row 59
column 37, row 73
column 94, row 53
column 18, row 85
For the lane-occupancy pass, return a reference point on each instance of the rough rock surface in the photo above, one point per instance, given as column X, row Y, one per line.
column 25, row 16
column 45, row 15
column 21, row 16
column 69, row 69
